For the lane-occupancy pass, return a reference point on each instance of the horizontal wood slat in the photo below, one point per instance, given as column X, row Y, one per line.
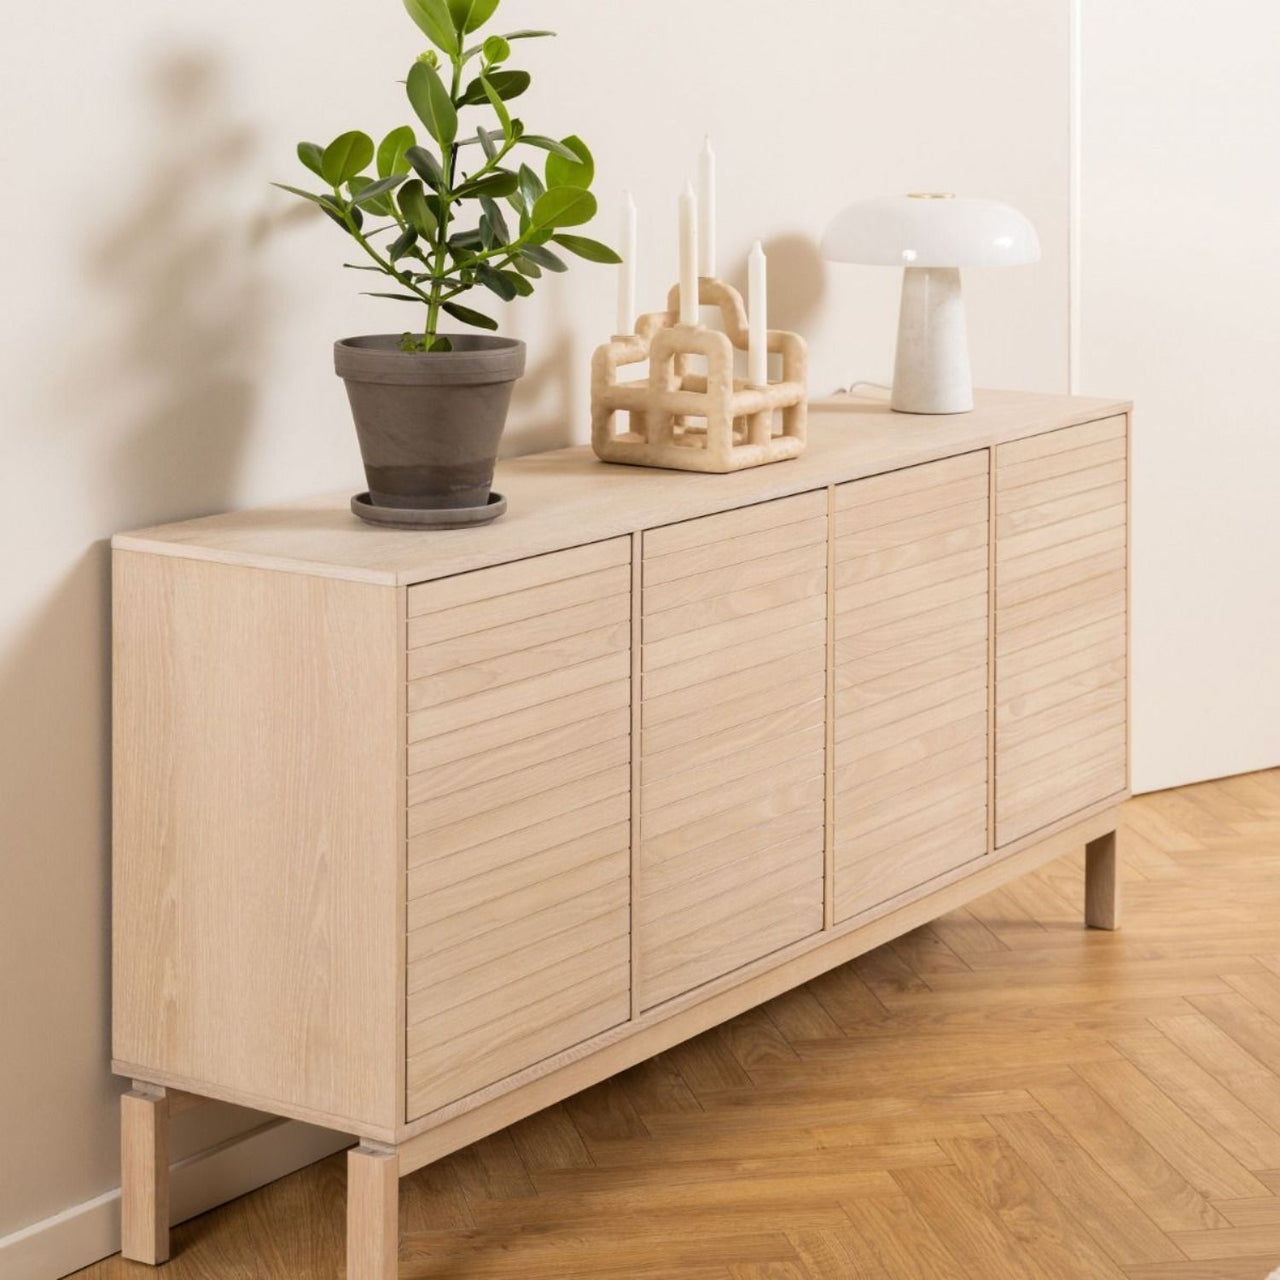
column 723, row 557
column 503, row 611
column 1061, row 624
column 519, row 637
column 519, row 733
column 733, row 526
column 901, row 486
column 1055, row 442
column 523, row 664
column 1044, row 493
column 733, row 733
column 509, row 579
column 911, row 741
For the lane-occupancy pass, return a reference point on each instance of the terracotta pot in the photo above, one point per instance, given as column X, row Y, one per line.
column 429, row 424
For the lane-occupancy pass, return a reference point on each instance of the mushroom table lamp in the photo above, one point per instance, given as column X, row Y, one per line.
column 932, row 235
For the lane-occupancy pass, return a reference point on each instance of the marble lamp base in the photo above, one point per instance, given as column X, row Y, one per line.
column 931, row 373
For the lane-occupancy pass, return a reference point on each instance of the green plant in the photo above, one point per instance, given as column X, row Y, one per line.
column 428, row 245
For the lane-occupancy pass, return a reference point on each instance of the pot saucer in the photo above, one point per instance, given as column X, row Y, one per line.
column 428, row 517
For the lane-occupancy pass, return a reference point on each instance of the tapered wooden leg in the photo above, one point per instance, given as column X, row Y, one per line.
column 373, row 1214
column 1102, row 883
column 144, row 1177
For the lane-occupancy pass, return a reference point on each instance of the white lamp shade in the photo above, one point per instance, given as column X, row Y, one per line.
column 931, row 231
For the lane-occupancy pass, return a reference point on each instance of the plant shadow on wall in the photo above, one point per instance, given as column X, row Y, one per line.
column 158, row 408
column 185, row 263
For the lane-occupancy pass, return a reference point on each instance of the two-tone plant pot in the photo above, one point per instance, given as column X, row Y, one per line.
column 429, row 424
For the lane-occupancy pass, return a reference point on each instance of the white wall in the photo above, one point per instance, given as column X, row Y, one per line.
column 164, row 347
column 1180, row 232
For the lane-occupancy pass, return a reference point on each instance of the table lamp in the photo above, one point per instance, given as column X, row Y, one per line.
column 932, row 235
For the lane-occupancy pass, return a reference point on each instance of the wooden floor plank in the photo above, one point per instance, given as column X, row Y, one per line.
column 1095, row 1199
column 1162, row 1193
column 1059, row 1246
column 1235, row 1128
column 902, row 1243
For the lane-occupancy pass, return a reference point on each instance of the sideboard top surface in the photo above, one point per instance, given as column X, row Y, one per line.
column 566, row 497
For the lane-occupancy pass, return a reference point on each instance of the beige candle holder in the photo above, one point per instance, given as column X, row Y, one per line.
column 687, row 421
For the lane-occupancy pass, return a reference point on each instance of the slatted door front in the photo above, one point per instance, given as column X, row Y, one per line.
column 1061, row 624
column 733, row 734
column 519, row 816
column 912, row 556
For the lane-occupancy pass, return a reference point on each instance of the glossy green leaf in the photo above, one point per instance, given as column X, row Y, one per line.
column 471, row 15
column 391, row 151
column 430, row 99
column 496, row 220
column 312, row 155
column 580, row 172
column 436, row 23
column 522, row 286
column 500, row 109
column 439, row 343
column 426, row 166
column 496, row 50
column 298, row 191
column 507, row 84
column 396, row 297
column 465, row 314
column 509, row 36
column 591, row 250
column 340, row 212
column 345, row 157
column 550, row 144
column 547, row 260
column 407, row 240
column 495, row 185
column 413, row 205
column 564, row 207
column 487, row 143
column 368, row 191
column 496, row 282
column 531, row 187
column 527, row 268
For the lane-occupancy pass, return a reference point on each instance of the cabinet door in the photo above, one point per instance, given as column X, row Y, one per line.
column 1061, row 624
column 912, row 678
column 519, row 793
column 733, row 733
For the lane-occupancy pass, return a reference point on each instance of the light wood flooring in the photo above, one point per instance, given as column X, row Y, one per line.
column 999, row 1094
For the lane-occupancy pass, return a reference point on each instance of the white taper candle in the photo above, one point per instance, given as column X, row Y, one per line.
column 689, row 311
column 627, row 271
column 758, row 318
column 707, row 210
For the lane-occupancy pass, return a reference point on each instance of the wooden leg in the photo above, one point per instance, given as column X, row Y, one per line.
column 144, row 1177
column 373, row 1214
column 1102, row 883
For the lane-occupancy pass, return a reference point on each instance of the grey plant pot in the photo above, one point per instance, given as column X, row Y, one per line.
column 429, row 424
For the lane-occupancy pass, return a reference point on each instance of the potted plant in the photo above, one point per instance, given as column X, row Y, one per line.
column 458, row 211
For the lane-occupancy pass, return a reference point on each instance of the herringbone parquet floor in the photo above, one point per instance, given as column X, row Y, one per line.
column 1000, row 1094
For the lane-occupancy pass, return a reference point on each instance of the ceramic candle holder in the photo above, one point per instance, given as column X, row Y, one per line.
column 687, row 421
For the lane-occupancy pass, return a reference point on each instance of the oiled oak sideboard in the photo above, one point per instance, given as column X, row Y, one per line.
column 416, row 834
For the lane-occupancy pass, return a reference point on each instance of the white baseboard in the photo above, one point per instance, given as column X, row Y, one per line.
column 85, row 1233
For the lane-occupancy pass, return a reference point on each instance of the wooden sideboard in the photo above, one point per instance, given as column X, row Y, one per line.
column 416, row 834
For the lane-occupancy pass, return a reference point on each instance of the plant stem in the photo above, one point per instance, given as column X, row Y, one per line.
column 385, row 264
column 437, row 268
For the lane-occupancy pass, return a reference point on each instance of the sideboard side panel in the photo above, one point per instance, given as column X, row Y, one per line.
column 258, row 821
